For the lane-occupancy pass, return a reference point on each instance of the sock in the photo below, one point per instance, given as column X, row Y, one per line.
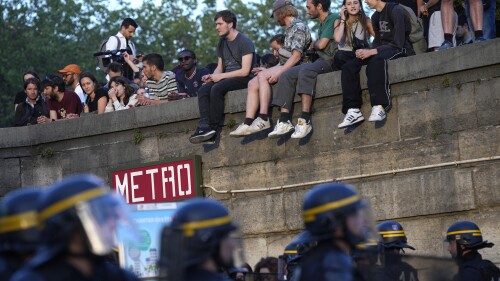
column 448, row 37
column 263, row 116
column 478, row 33
column 284, row 116
column 248, row 121
column 306, row 116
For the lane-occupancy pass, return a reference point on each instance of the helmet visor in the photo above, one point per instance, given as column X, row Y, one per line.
column 361, row 227
column 106, row 222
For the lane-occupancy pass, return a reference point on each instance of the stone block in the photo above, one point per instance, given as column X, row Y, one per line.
column 261, row 214
column 10, row 174
column 480, row 142
column 486, row 179
column 488, row 100
column 38, row 171
column 254, row 249
column 419, row 194
column 437, row 112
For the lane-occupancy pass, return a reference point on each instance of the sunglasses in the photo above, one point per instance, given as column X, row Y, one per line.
column 68, row 74
column 186, row 58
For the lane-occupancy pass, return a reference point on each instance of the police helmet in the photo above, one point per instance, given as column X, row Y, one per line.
column 393, row 235
column 203, row 223
column 327, row 206
column 83, row 204
column 468, row 234
column 19, row 230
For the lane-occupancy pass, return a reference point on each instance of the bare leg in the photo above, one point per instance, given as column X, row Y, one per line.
column 476, row 14
column 252, row 98
column 306, row 102
column 447, row 18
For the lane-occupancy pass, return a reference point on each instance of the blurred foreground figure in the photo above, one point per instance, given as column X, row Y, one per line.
column 198, row 245
column 80, row 221
column 18, row 230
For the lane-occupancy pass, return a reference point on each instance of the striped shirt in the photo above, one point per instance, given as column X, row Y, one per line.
column 166, row 88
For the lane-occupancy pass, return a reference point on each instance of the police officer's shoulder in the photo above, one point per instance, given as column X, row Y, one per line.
column 337, row 261
column 26, row 274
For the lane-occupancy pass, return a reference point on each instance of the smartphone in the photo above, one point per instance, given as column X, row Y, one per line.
column 346, row 14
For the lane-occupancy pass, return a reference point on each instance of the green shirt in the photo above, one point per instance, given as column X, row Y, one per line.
column 326, row 31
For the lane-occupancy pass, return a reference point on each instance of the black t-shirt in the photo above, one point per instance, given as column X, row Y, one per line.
column 93, row 104
column 232, row 52
column 20, row 97
column 190, row 86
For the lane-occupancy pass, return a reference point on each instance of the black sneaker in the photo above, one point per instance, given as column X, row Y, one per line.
column 202, row 135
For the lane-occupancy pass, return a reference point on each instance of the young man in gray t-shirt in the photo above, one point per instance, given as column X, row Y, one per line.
column 235, row 54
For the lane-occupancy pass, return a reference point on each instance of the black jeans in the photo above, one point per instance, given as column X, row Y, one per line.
column 378, row 80
column 211, row 99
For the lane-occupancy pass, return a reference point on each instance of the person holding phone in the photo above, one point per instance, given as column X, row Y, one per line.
column 351, row 30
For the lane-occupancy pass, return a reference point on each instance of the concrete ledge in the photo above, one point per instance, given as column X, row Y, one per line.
column 400, row 70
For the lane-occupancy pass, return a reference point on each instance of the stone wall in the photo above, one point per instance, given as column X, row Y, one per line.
column 445, row 109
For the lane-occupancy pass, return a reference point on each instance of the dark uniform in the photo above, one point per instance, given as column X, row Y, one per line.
column 394, row 242
column 18, row 230
column 471, row 266
column 195, row 236
column 78, row 204
column 327, row 208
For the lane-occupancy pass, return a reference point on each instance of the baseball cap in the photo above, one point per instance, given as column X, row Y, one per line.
column 280, row 4
column 70, row 68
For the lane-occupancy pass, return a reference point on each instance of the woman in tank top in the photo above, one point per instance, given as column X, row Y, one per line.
column 353, row 22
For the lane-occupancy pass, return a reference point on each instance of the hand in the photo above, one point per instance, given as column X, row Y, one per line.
column 364, row 53
column 112, row 93
column 206, row 78
column 42, row 119
column 216, row 77
column 142, row 100
column 127, row 56
column 72, row 115
column 274, row 77
column 256, row 70
column 343, row 9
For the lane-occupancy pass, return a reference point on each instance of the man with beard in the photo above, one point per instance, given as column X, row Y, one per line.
column 464, row 240
column 235, row 53
column 71, row 76
column 63, row 104
column 301, row 80
column 161, row 84
column 123, row 41
column 189, row 79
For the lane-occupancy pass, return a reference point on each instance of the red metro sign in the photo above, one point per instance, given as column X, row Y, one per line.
column 159, row 182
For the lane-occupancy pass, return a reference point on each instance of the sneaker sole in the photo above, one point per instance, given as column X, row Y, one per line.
column 259, row 130
column 375, row 120
column 300, row 137
column 280, row 135
column 361, row 119
column 202, row 138
column 238, row 135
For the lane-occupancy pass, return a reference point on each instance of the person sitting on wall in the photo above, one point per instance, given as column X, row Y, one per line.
column 30, row 111
column 162, row 85
column 121, row 95
column 97, row 98
column 189, row 78
column 63, row 103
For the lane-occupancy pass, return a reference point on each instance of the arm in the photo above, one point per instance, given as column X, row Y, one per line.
column 246, row 65
column 370, row 28
column 101, row 104
column 53, row 115
column 129, row 59
column 339, row 30
column 291, row 62
column 419, row 5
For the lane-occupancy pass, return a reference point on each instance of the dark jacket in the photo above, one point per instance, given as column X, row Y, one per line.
column 27, row 114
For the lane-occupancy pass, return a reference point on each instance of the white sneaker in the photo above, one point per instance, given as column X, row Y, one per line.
column 259, row 125
column 302, row 129
column 280, row 129
column 241, row 131
column 353, row 116
column 378, row 114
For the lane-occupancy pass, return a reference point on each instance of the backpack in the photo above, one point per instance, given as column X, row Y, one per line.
column 103, row 61
column 417, row 28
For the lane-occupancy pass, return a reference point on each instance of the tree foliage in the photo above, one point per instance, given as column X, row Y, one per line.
column 46, row 35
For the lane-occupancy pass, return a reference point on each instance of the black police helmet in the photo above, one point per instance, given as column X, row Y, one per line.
column 468, row 234
column 393, row 235
column 58, row 215
column 19, row 230
column 326, row 207
column 203, row 224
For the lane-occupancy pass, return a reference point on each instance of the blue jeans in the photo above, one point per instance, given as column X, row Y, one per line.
column 489, row 24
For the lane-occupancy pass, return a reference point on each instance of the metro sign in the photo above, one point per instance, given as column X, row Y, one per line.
column 159, row 182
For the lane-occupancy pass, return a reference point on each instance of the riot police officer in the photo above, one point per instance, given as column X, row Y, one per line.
column 197, row 245
column 464, row 238
column 293, row 253
column 394, row 242
column 80, row 220
column 333, row 214
column 18, row 230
